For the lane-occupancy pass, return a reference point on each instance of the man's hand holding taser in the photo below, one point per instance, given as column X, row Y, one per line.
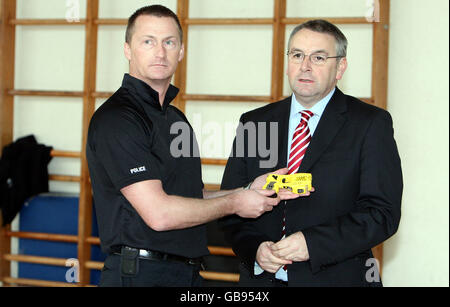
column 252, row 204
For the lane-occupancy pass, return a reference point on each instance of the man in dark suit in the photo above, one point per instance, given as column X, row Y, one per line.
column 347, row 146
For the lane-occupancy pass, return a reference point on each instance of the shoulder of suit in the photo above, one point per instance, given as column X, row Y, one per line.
column 266, row 111
column 358, row 106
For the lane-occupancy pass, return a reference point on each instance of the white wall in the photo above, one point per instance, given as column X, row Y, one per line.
column 418, row 99
column 236, row 61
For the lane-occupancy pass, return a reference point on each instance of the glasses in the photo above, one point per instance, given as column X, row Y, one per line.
column 297, row 57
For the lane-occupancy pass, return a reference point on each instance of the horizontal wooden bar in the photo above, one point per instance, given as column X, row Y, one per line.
column 65, row 154
column 206, row 161
column 36, row 259
column 334, row 20
column 231, row 98
column 111, row 21
column 43, row 236
column 269, row 21
column 212, row 187
column 190, row 21
column 45, row 93
column 221, row 251
column 229, row 21
column 51, row 237
column 199, row 97
column 367, row 100
column 65, row 178
column 231, row 277
column 37, row 283
column 93, row 240
column 94, row 265
column 46, row 22
column 102, row 94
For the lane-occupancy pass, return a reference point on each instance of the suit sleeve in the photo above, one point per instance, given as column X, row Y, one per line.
column 377, row 213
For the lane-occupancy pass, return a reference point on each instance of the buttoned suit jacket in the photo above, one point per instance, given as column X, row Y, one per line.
column 356, row 173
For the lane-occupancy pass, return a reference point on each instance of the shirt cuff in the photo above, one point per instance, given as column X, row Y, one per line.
column 257, row 269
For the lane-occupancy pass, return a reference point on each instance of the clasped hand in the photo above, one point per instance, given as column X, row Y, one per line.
column 272, row 256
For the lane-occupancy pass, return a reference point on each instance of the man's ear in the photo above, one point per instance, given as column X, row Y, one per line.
column 181, row 55
column 342, row 67
column 127, row 51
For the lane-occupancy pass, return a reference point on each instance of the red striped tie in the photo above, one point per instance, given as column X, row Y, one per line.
column 300, row 142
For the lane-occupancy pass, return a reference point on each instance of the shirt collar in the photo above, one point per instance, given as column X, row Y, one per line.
column 317, row 109
column 147, row 94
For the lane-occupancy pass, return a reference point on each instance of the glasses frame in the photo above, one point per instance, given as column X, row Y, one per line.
column 310, row 59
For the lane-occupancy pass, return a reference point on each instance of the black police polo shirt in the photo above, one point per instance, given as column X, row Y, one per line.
column 129, row 140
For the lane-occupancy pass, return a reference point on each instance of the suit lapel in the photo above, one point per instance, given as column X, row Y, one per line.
column 332, row 120
column 282, row 117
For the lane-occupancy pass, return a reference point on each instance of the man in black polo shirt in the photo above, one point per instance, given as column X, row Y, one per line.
column 151, row 206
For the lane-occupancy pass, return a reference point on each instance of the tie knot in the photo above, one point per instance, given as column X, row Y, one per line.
column 306, row 115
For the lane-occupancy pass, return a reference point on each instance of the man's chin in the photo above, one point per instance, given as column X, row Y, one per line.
column 306, row 93
column 159, row 77
column 159, row 74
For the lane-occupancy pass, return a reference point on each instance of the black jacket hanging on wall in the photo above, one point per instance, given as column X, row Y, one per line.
column 23, row 173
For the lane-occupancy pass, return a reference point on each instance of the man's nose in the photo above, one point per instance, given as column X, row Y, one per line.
column 306, row 64
column 160, row 50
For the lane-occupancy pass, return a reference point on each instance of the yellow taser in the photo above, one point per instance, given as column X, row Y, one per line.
column 299, row 183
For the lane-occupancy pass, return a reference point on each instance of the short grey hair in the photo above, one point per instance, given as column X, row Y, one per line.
column 323, row 26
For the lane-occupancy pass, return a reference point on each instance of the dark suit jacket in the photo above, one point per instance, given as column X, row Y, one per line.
column 357, row 177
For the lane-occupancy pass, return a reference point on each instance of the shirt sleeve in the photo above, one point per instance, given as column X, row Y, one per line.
column 123, row 146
